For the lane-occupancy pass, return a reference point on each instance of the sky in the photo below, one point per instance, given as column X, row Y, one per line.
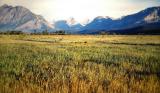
column 82, row 10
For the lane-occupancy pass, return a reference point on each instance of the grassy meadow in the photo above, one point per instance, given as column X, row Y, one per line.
column 79, row 64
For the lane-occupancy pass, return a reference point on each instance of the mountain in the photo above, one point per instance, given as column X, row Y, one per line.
column 99, row 23
column 71, row 21
column 143, row 18
column 70, row 26
column 20, row 18
column 149, row 15
column 61, row 25
column 147, row 29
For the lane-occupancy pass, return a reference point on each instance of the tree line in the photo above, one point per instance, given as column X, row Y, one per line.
column 45, row 32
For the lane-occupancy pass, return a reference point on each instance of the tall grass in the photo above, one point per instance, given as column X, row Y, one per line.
column 82, row 64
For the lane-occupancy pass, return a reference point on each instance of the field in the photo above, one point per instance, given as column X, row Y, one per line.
column 79, row 64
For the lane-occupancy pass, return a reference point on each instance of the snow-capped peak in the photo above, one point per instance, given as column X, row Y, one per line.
column 71, row 22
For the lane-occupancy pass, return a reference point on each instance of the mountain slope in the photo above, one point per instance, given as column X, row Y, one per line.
column 20, row 18
column 99, row 23
column 142, row 18
column 61, row 25
column 70, row 26
column 149, row 15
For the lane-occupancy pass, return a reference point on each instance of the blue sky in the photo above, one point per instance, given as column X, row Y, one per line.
column 82, row 9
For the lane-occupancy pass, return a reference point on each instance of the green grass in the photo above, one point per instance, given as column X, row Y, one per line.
column 79, row 64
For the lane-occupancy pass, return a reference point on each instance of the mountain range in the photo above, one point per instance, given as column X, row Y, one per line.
column 22, row 19
column 148, row 19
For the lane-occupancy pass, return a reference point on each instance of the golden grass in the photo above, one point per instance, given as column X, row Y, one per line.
column 79, row 64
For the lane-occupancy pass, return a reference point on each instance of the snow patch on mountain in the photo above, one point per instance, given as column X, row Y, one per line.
column 153, row 17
